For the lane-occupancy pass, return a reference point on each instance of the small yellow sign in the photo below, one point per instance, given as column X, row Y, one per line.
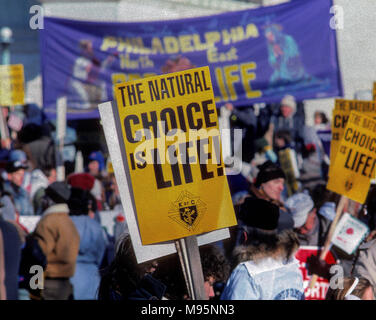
column 12, row 91
column 172, row 143
column 290, row 168
column 355, row 163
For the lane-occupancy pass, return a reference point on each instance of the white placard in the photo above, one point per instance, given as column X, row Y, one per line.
column 143, row 252
column 29, row 222
column 349, row 233
column 61, row 123
column 108, row 220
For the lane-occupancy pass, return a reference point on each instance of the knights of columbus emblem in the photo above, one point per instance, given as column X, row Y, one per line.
column 187, row 210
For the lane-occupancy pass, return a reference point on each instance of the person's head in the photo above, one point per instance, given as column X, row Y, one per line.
column 124, row 274
column 96, row 163
column 84, row 181
column 260, row 237
column 325, row 201
column 30, row 132
column 282, row 138
column 320, row 118
column 270, row 179
column 79, row 202
column 303, row 212
column 57, row 192
column 272, row 32
column 50, row 173
column 16, row 172
column 215, row 267
column 288, row 106
column 353, row 289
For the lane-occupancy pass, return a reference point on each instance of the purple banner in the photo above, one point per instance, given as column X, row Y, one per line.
column 256, row 55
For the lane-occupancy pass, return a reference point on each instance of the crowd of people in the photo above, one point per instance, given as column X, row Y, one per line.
column 81, row 260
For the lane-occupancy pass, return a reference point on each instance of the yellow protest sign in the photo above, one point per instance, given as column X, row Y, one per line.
column 355, row 163
column 172, row 144
column 12, row 80
column 356, row 105
column 340, row 116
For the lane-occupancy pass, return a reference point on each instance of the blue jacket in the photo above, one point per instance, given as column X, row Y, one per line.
column 20, row 197
column 12, row 257
column 269, row 279
column 92, row 248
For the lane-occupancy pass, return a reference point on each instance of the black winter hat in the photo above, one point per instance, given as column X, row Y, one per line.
column 259, row 213
column 268, row 171
column 79, row 201
column 58, row 192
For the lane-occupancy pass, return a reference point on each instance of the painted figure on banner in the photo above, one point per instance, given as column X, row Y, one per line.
column 85, row 87
column 284, row 56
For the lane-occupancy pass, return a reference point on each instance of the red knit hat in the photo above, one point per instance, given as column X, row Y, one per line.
column 81, row 180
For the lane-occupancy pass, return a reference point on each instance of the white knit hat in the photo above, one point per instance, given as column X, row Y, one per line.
column 289, row 100
column 300, row 204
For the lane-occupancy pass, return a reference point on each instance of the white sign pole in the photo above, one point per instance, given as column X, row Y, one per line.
column 79, row 163
column 61, row 125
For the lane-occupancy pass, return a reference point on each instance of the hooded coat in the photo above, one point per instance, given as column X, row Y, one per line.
column 266, row 271
column 59, row 240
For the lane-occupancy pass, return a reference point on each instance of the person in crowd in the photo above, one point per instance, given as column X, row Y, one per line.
column 269, row 185
column 325, row 201
column 365, row 261
column 96, row 164
column 3, row 292
column 288, row 119
column 353, row 288
column 40, row 180
column 86, row 181
column 321, row 121
column 313, row 159
column 112, row 192
column 243, row 118
column 323, row 129
column 14, row 187
column 125, row 279
column 216, row 270
column 36, row 141
column 92, row 245
column 264, row 263
column 59, row 240
column 10, row 257
column 311, row 228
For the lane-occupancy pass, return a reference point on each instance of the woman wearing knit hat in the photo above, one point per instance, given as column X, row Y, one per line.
column 265, row 267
